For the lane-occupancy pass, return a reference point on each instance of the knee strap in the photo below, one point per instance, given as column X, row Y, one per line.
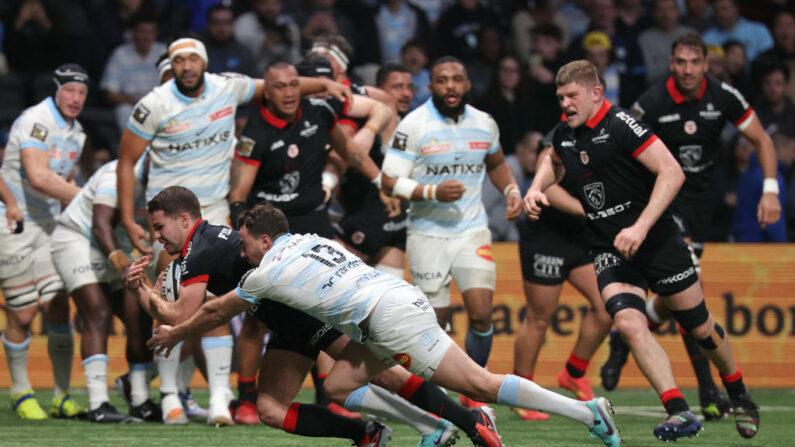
column 692, row 318
column 623, row 301
column 714, row 340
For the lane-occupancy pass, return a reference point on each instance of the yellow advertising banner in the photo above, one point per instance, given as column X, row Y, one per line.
column 749, row 288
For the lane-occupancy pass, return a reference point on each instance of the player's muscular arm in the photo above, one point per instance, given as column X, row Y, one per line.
column 769, row 208
column 242, row 179
column 131, row 148
column 37, row 168
column 191, row 297
column 560, row 199
column 316, row 85
column 378, row 117
column 501, row 176
column 102, row 228
column 549, row 170
column 353, row 155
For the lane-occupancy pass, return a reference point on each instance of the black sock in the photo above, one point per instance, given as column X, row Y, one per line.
column 673, row 401
column 247, row 390
column 320, row 395
column 320, row 422
column 478, row 345
column 734, row 385
column 431, row 398
column 700, row 363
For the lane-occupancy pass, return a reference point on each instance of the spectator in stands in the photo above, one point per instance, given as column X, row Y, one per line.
column 783, row 50
column 631, row 18
column 433, row 8
column 577, row 14
column 531, row 14
column 775, row 110
column 698, row 15
column 547, row 57
column 348, row 19
column 785, row 152
column 457, row 32
column 111, row 21
column 509, row 101
column 481, row 67
column 415, row 58
column 34, row 37
column 268, row 34
column 729, row 25
column 736, row 61
column 223, row 50
column 397, row 22
column 745, row 223
column 716, row 58
column 131, row 71
column 599, row 51
column 655, row 42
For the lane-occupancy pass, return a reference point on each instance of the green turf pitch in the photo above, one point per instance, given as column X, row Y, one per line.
column 637, row 413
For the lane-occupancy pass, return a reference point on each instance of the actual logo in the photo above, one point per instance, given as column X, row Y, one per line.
column 595, row 193
column 690, row 127
column 399, row 141
column 39, row 131
column 292, row 150
column 584, row 157
column 357, row 237
column 690, row 155
column 245, row 146
column 140, row 113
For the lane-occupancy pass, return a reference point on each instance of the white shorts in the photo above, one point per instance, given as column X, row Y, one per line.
column 80, row 263
column 26, row 266
column 403, row 331
column 217, row 213
column 434, row 261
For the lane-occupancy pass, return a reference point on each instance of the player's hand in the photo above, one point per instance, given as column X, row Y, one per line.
column 514, row 205
column 138, row 237
column 137, row 272
column 629, row 240
column 391, row 204
column 769, row 210
column 449, row 191
column 164, row 338
column 339, row 91
column 13, row 216
column 532, row 201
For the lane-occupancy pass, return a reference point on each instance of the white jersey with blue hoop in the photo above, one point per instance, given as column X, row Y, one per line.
column 192, row 139
column 321, row 278
column 41, row 127
column 430, row 148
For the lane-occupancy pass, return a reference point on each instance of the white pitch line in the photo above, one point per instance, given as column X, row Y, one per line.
column 657, row 412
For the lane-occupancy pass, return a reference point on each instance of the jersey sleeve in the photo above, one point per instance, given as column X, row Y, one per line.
column 144, row 121
column 736, row 108
column 494, row 130
column 106, row 190
column 249, row 148
column 197, row 265
column 403, row 150
column 242, row 86
column 631, row 134
column 254, row 285
column 32, row 132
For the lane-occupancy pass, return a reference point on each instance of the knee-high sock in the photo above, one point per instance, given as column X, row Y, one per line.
column 478, row 345
column 431, row 398
column 518, row 392
column 95, row 368
column 375, row 400
column 186, row 369
column 17, row 358
column 139, row 382
column 700, row 363
column 218, row 352
column 316, row 421
column 61, row 347
column 168, row 367
column 320, row 395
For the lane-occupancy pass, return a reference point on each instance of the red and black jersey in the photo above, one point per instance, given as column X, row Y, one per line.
column 691, row 128
column 600, row 160
column 212, row 255
column 290, row 156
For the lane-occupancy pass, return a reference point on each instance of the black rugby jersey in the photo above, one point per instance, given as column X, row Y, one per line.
column 290, row 157
column 691, row 129
column 600, row 160
column 212, row 255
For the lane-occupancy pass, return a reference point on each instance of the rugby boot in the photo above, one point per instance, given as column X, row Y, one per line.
column 611, row 370
column 64, row 407
column 485, row 434
column 192, row 408
column 148, row 411
column 107, row 413
column 714, row 405
column 445, row 435
column 678, row 425
column 342, row 411
column 218, row 413
column 581, row 387
column 530, row 415
column 746, row 415
column 604, row 428
column 246, row 413
column 377, row 435
column 469, row 403
column 26, row 405
column 172, row 412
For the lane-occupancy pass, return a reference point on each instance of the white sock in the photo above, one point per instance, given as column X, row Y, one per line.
column 218, row 352
column 375, row 400
column 61, row 347
column 518, row 392
column 17, row 358
column 168, row 368
column 394, row 271
column 186, row 369
column 95, row 368
column 139, row 383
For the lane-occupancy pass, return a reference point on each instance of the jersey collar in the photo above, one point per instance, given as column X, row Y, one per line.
column 56, row 114
column 190, row 236
column 600, row 114
column 274, row 120
column 435, row 112
column 187, row 99
column 678, row 98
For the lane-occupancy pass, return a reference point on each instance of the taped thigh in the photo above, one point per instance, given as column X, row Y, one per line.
column 622, row 301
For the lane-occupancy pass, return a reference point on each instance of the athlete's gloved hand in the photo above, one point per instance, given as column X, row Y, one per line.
column 449, row 191
column 531, row 202
column 235, row 209
column 769, row 210
column 629, row 240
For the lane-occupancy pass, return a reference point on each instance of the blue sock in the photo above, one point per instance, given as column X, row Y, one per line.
column 478, row 345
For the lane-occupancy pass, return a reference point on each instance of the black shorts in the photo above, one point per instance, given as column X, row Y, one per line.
column 369, row 234
column 695, row 222
column 316, row 222
column 293, row 330
column 663, row 265
column 548, row 257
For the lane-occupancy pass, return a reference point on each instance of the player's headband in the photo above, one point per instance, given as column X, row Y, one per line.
column 163, row 67
column 187, row 45
column 333, row 51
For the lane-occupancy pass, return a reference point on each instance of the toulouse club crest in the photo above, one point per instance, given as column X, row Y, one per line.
column 584, row 157
column 595, row 193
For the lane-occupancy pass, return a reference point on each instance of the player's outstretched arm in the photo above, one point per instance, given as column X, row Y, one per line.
column 37, row 168
column 131, row 148
column 191, row 297
column 210, row 315
column 309, row 86
column 501, row 176
column 769, row 208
